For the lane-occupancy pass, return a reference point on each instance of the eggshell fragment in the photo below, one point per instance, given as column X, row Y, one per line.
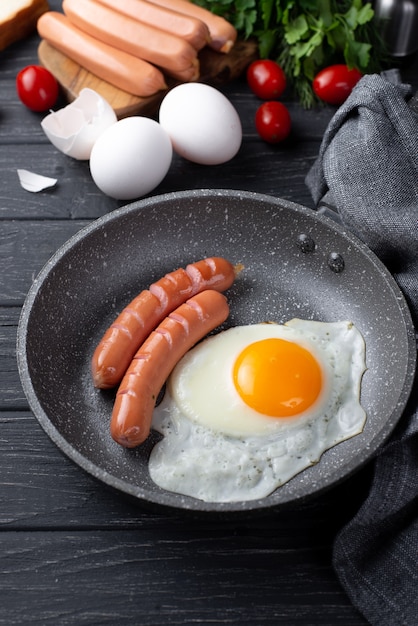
column 203, row 125
column 130, row 158
column 35, row 182
column 75, row 128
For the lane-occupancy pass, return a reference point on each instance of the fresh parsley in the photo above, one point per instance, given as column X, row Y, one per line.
column 306, row 35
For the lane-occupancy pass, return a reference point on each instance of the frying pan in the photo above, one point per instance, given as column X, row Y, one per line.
column 296, row 264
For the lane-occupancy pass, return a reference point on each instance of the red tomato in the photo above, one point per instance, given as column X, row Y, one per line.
column 272, row 121
column 334, row 84
column 37, row 88
column 266, row 79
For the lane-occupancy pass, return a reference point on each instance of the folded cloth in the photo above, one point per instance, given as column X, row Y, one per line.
column 367, row 171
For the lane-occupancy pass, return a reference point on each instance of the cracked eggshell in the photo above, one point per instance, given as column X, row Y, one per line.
column 203, row 125
column 75, row 128
column 131, row 158
column 30, row 181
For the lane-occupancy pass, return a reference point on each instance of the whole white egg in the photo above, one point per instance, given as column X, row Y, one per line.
column 130, row 158
column 203, row 125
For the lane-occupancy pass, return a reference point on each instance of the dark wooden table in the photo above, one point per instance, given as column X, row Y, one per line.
column 71, row 551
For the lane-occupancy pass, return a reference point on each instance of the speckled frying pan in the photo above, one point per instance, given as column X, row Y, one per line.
column 297, row 264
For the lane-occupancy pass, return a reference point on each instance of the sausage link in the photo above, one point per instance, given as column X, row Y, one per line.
column 189, row 28
column 123, row 70
column 157, row 357
column 173, row 289
column 114, row 353
column 169, row 52
column 223, row 34
column 205, row 274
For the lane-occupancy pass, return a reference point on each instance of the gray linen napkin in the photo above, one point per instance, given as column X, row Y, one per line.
column 367, row 171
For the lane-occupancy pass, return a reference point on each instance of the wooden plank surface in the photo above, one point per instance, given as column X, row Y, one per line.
column 176, row 578
column 274, row 172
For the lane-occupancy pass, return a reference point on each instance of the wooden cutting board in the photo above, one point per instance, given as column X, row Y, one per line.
column 215, row 69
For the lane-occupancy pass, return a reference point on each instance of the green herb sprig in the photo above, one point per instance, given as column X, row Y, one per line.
column 306, row 35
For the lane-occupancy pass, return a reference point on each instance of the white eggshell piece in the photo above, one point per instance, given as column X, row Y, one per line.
column 74, row 129
column 131, row 158
column 35, row 182
column 203, row 125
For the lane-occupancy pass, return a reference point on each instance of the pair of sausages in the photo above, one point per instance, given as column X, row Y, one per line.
column 133, row 45
column 142, row 346
column 174, row 55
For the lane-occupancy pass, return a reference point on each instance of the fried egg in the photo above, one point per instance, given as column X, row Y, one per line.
column 249, row 408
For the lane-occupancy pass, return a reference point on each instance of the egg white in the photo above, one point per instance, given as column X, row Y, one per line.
column 218, row 449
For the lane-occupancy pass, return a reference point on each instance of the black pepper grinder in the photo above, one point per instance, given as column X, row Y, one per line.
column 398, row 24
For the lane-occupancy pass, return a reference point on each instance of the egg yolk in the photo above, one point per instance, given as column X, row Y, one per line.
column 276, row 377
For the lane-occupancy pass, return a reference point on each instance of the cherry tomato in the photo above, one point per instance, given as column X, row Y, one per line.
column 37, row 88
column 266, row 79
column 334, row 84
column 272, row 121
